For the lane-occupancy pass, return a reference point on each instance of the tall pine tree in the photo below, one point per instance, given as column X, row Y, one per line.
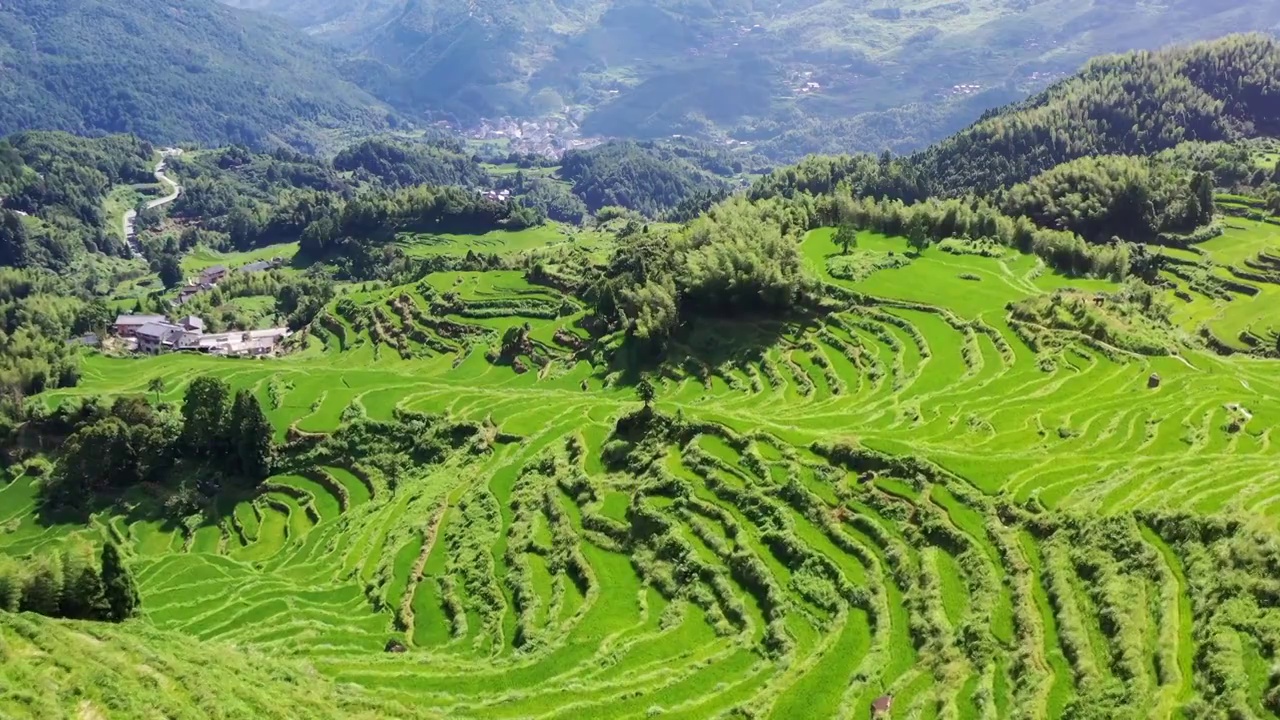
column 118, row 587
column 205, row 417
column 252, row 434
column 82, row 596
column 1202, row 189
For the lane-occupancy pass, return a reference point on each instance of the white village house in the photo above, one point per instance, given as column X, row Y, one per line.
column 156, row 335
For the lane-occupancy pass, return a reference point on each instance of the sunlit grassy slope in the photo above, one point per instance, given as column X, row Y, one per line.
column 998, row 543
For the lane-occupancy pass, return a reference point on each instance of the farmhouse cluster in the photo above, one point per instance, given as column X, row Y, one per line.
column 211, row 276
column 154, row 335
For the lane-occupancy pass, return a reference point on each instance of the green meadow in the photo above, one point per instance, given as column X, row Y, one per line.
column 901, row 496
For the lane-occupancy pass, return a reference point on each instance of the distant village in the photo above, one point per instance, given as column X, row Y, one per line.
column 546, row 137
column 156, row 334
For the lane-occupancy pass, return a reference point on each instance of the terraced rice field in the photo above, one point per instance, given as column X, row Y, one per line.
column 897, row 498
column 498, row 241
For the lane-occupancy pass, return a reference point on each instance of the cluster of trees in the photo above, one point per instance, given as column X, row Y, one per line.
column 59, row 182
column 377, row 215
column 1110, row 196
column 70, row 584
column 109, row 449
column 645, row 177
column 297, row 300
column 934, row 220
column 741, row 258
column 865, row 175
column 400, row 163
column 230, row 430
column 246, row 200
column 552, row 198
column 38, row 313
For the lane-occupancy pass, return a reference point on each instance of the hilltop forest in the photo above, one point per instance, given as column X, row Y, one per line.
column 654, row 429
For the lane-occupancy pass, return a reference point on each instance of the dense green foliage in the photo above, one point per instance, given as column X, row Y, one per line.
column 39, row 312
column 173, row 71
column 1103, row 197
column 1134, row 104
column 60, row 181
column 108, row 450
column 244, row 200
column 118, row 587
column 402, row 163
column 644, row 177
column 740, row 259
column 70, row 584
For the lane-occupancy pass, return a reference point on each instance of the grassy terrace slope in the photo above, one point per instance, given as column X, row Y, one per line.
column 902, row 497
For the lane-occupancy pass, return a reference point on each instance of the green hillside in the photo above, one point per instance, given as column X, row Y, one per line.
column 92, row 670
column 171, row 72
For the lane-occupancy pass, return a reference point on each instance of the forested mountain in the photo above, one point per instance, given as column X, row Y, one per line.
column 171, row 71
column 793, row 77
column 1136, row 104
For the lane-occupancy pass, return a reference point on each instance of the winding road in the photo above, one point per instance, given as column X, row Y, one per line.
column 130, row 235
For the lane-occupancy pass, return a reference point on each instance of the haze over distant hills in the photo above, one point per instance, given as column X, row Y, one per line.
column 171, row 71
column 787, row 77
column 793, row 76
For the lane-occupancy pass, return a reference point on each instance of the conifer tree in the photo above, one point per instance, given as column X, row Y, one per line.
column 252, row 436
column 82, row 596
column 646, row 392
column 119, row 590
column 205, row 419
column 1202, row 190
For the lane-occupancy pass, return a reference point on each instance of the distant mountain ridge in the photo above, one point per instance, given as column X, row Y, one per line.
column 790, row 76
column 172, row 71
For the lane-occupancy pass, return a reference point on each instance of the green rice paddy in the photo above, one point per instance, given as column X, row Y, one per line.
column 900, row 497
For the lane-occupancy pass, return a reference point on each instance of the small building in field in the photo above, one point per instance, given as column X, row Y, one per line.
column 159, row 337
column 881, row 706
column 86, row 340
column 261, row 265
column 128, row 325
column 213, row 275
column 242, row 343
column 187, row 294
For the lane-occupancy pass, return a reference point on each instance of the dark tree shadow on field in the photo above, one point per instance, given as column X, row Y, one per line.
column 188, row 489
column 703, row 343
